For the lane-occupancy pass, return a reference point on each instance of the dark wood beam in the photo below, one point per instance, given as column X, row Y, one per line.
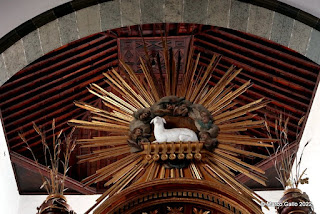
column 32, row 166
column 76, row 68
column 279, row 90
column 274, row 73
column 38, row 65
column 246, row 67
column 16, row 117
column 267, row 163
column 34, row 139
column 261, row 56
column 265, row 45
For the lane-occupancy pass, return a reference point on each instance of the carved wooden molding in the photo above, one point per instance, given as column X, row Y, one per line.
column 211, row 194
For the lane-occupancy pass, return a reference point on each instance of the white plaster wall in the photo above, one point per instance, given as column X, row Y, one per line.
column 9, row 195
column 15, row 12
column 309, row 6
column 310, row 159
column 311, row 156
column 272, row 197
column 79, row 203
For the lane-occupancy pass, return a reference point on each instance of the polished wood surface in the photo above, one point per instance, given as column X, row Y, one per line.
column 212, row 195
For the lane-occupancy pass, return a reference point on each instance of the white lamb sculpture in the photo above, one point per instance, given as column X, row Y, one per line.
column 171, row 135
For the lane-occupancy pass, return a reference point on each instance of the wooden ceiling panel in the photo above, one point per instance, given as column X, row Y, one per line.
column 278, row 74
column 47, row 88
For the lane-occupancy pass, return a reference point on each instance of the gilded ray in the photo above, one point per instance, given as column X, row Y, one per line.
column 129, row 94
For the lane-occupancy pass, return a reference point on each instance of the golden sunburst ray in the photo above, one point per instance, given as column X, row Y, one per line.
column 212, row 158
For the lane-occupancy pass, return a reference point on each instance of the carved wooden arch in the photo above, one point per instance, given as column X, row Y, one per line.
column 214, row 195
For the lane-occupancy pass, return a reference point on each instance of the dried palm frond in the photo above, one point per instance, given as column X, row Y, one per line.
column 285, row 153
column 54, row 183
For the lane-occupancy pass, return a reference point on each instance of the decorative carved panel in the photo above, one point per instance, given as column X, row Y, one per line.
column 130, row 49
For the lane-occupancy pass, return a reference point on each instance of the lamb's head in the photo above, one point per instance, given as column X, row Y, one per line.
column 158, row 120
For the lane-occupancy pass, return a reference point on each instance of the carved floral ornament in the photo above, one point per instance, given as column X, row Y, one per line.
column 196, row 211
column 172, row 124
column 175, row 210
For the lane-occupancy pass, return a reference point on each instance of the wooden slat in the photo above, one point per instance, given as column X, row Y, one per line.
column 274, row 52
column 44, row 63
